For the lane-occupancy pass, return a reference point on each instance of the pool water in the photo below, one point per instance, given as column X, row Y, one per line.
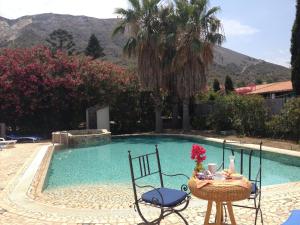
column 106, row 164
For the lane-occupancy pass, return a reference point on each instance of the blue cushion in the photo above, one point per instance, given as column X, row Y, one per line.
column 171, row 197
column 294, row 218
column 253, row 188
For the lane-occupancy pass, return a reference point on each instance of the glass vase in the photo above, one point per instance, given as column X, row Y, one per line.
column 199, row 167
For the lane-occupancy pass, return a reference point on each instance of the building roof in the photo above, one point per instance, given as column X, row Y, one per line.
column 284, row 86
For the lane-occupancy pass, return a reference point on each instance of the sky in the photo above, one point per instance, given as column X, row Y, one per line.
column 258, row 28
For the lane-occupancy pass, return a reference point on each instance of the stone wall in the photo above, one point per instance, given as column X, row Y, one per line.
column 273, row 106
column 79, row 138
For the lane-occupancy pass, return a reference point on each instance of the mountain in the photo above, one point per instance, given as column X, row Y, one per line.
column 32, row 30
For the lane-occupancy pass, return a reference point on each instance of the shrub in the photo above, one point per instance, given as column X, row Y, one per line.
column 42, row 91
column 222, row 115
column 287, row 123
column 250, row 115
column 200, row 122
column 245, row 114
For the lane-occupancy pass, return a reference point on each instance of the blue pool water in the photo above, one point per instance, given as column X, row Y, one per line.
column 108, row 163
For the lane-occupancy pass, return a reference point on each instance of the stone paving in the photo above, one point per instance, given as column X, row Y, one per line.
column 112, row 203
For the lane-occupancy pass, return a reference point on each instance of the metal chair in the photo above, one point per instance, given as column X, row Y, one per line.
column 168, row 200
column 256, row 182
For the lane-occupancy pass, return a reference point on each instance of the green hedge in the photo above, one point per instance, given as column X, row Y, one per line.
column 245, row 114
column 287, row 123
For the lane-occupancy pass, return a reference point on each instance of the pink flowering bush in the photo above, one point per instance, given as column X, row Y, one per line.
column 42, row 91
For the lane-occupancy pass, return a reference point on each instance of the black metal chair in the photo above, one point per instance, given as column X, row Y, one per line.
column 256, row 182
column 168, row 200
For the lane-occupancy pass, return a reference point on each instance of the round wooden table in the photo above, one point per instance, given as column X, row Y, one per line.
column 220, row 192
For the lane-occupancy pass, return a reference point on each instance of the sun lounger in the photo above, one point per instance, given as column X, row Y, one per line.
column 24, row 138
column 4, row 143
column 294, row 218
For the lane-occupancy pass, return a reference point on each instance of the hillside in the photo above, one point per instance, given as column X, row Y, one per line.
column 31, row 30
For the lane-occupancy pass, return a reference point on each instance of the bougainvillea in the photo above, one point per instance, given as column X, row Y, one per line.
column 43, row 91
column 198, row 153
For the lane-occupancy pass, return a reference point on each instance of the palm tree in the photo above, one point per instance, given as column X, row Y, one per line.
column 168, row 27
column 142, row 22
column 197, row 33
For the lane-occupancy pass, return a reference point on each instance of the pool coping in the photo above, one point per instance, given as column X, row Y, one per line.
column 17, row 198
column 220, row 141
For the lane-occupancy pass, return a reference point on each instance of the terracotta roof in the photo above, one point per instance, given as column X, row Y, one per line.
column 266, row 88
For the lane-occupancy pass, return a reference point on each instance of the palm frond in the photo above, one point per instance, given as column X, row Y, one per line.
column 121, row 11
column 135, row 4
column 215, row 38
column 119, row 29
column 212, row 11
column 130, row 47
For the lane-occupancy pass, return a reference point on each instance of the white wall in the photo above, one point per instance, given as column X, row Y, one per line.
column 103, row 118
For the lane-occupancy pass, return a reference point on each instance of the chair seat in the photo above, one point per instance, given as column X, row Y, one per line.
column 294, row 218
column 171, row 197
column 254, row 188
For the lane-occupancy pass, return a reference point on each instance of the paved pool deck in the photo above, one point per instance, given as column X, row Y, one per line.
column 105, row 204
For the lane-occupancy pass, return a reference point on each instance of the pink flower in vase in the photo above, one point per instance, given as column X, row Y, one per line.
column 198, row 153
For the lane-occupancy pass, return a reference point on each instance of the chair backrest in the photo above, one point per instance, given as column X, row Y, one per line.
column 243, row 152
column 144, row 168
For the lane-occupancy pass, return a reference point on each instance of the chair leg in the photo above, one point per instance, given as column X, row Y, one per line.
column 156, row 221
column 256, row 214
column 258, row 210
column 261, row 216
column 184, row 220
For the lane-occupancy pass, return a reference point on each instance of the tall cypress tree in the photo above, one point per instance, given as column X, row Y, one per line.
column 94, row 48
column 295, row 51
column 216, row 85
column 228, row 85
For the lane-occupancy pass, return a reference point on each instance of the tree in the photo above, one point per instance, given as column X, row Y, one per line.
column 228, row 85
column 143, row 24
column 258, row 81
column 167, row 46
column 94, row 48
column 241, row 84
column 61, row 40
column 197, row 33
column 216, row 85
column 295, row 51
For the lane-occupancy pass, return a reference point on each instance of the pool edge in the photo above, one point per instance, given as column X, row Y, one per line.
column 220, row 141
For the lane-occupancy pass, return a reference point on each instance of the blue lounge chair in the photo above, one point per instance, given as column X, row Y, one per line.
column 20, row 138
column 294, row 218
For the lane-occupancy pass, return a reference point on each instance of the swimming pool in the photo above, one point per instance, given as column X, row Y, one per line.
column 106, row 164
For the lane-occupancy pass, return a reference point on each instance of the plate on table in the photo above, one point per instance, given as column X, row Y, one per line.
column 236, row 176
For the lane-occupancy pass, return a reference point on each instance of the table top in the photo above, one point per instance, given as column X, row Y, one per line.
column 221, row 191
